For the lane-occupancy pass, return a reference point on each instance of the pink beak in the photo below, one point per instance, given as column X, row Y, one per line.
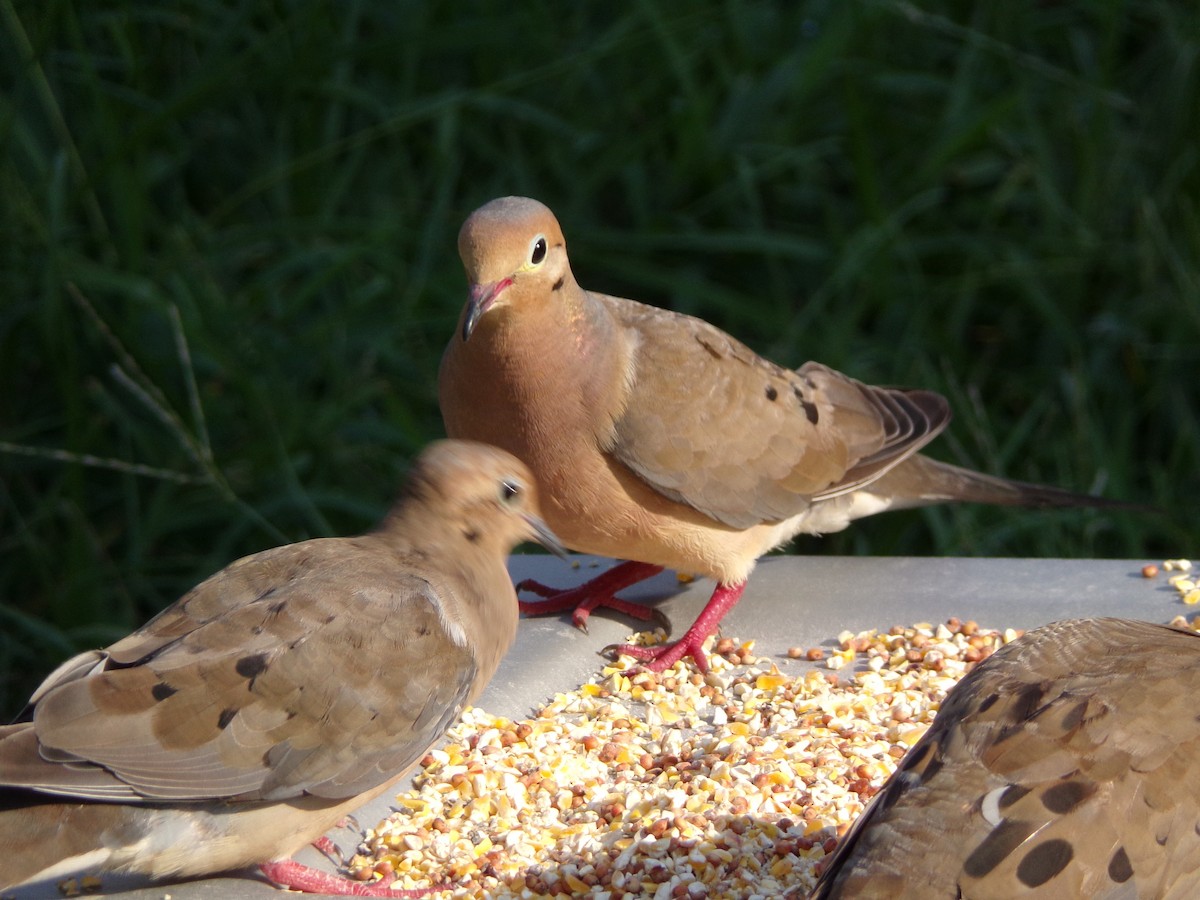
column 480, row 300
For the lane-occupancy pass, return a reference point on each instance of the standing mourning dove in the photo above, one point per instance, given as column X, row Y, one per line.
column 659, row 439
column 276, row 697
column 1066, row 765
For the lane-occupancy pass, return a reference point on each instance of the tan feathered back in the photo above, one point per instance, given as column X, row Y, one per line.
column 1066, row 765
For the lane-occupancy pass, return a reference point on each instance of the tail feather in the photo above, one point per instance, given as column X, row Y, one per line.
column 921, row 481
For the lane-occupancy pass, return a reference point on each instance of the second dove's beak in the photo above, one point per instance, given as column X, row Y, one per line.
column 544, row 536
column 480, row 300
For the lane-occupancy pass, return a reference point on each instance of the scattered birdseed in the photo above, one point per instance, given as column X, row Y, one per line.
column 732, row 784
column 1185, row 584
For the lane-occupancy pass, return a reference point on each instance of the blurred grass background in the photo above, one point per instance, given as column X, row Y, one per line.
column 227, row 263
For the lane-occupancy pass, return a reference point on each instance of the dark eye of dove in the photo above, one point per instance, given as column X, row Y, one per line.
column 537, row 251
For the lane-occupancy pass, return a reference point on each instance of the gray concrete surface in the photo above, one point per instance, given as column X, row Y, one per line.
column 790, row 601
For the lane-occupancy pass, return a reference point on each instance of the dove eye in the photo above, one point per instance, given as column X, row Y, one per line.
column 537, row 251
column 510, row 491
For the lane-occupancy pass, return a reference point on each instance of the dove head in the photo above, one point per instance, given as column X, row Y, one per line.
column 514, row 251
column 484, row 494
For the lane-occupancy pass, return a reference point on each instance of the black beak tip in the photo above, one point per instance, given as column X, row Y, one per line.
column 469, row 322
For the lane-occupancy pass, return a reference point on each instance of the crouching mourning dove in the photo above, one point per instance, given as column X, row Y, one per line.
column 659, row 439
column 1066, row 765
column 277, row 696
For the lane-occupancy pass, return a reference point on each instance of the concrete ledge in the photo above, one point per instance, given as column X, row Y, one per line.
column 790, row 601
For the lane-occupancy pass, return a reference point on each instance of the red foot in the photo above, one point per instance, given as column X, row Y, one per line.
column 591, row 594
column 663, row 656
column 288, row 873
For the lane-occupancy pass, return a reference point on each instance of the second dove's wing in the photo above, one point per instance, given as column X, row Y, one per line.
column 280, row 676
column 711, row 424
column 1064, row 766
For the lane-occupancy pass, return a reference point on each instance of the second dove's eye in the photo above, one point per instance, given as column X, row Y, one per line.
column 510, row 490
column 538, row 251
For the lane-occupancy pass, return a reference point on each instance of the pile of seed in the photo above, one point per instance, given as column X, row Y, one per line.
column 677, row 785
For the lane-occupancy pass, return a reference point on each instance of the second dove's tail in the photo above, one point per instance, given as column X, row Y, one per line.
column 921, row 481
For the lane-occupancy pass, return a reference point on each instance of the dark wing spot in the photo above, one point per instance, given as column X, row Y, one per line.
column 251, row 666
column 772, row 394
column 1012, row 794
column 277, row 607
column 713, row 351
column 558, row 284
column 1044, row 861
column 1065, row 796
column 988, row 702
column 267, row 593
column 225, row 718
column 1025, row 705
column 162, row 691
column 995, row 848
column 471, row 535
column 423, row 630
column 1119, row 868
column 1074, row 717
column 1029, row 701
column 330, row 618
column 810, row 408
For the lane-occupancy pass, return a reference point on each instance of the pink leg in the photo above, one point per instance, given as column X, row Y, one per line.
column 288, row 873
column 597, row 592
column 663, row 656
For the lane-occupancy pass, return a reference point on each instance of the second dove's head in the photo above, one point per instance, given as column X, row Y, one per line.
column 511, row 247
column 489, row 495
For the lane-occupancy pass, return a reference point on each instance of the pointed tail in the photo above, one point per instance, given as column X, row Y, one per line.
column 921, row 481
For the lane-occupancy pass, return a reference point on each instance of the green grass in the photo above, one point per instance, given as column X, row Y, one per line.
column 227, row 262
